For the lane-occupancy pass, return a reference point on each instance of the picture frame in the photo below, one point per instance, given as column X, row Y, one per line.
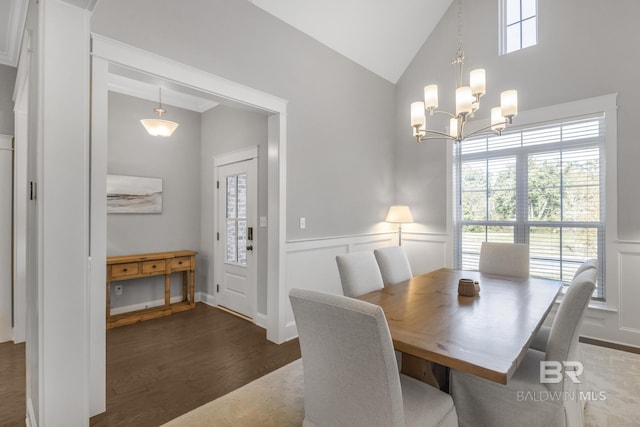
column 134, row 194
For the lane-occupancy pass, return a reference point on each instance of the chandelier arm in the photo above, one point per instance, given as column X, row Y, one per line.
column 424, row 137
column 446, row 113
column 484, row 131
column 433, row 138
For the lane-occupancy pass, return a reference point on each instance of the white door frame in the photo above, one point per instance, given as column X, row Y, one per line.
column 21, row 125
column 107, row 51
column 223, row 160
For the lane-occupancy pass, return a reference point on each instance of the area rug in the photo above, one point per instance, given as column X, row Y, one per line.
column 276, row 400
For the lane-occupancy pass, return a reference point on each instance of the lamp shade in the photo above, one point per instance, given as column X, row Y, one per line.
column 159, row 127
column 399, row 214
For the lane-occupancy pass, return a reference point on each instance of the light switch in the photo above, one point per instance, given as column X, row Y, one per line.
column 263, row 221
column 303, row 223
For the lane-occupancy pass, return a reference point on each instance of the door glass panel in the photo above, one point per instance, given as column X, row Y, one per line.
column 231, row 197
column 242, row 196
column 242, row 242
column 232, row 248
column 236, row 221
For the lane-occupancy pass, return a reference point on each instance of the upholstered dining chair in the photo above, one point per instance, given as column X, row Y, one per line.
column 394, row 264
column 505, row 259
column 359, row 273
column 522, row 400
column 350, row 374
column 542, row 337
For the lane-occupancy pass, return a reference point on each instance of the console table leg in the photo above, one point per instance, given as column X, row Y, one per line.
column 167, row 290
column 192, row 284
column 185, row 291
column 108, row 303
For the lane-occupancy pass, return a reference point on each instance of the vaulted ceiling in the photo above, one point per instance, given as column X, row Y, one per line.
column 381, row 35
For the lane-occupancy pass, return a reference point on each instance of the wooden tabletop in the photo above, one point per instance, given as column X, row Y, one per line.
column 486, row 335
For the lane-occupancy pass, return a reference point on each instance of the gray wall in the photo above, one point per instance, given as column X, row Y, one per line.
column 7, row 83
column 585, row 49
column 176, row 160
column 224, row 130
column 340, row 122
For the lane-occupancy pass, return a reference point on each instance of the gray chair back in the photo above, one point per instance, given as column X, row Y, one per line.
column 394, row 264
column 359, row 273
column 505, row 259
column 590, row 263
column 563, row 337
column 350, row 373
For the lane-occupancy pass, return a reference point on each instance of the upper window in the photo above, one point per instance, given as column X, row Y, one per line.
column 518, row 24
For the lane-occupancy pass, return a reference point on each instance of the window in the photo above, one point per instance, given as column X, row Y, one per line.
column 543, row 185
column 236, row 220
column 518, row 25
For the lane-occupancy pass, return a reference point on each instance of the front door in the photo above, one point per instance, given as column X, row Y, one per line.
column 236, row 242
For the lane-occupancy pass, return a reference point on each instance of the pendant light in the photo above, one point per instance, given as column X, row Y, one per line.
column 159, row 127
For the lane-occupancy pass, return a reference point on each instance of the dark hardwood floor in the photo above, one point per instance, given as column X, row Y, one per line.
column 12, row 384
column 162, row 368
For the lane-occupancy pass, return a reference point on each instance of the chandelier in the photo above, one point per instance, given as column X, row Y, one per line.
column 467, row 100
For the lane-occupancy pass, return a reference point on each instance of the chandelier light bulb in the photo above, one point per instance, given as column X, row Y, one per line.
column 478, row 82
column 509, row 103
column 464, row 99
column 417, row 114
column 497, row 121
column 431, row 97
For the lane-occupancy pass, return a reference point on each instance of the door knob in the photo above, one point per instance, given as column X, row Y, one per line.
column 250, row 247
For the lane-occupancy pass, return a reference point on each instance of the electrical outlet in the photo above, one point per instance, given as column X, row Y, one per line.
column 118, row 290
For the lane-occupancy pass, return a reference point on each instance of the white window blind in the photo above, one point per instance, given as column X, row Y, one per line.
column 544, row 186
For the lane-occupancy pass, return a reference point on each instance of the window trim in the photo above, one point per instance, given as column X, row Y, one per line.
column 606, row 104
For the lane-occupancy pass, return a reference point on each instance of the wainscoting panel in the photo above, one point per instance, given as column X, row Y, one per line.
column 311, row 264
column 629, row 291
column 426, row 252
column 618, row 320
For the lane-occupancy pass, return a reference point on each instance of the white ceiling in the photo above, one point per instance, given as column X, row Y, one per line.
column 12, row 17
column 381, row 35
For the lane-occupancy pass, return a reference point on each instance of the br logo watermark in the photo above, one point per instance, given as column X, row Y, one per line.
column 552, row 372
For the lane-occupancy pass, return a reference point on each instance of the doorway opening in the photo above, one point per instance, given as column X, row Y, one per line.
column 108, row 54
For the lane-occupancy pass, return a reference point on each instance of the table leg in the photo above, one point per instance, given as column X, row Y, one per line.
column 192, row 284
column 167, row 290
column 108, row 302
column 419, row 369
column 185, row 292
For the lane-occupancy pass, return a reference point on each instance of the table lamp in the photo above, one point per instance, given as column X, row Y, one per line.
column 399, row 214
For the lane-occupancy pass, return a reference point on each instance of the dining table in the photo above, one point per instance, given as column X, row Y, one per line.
column 486, row 335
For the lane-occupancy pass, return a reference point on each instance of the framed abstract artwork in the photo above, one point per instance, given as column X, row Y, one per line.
column 133, row 194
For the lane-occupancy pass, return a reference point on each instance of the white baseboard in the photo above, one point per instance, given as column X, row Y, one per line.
column 206, row 298
column 143, row 305
column 261, row 320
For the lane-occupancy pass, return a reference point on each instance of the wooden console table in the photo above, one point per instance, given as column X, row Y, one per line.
column 155, row 264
